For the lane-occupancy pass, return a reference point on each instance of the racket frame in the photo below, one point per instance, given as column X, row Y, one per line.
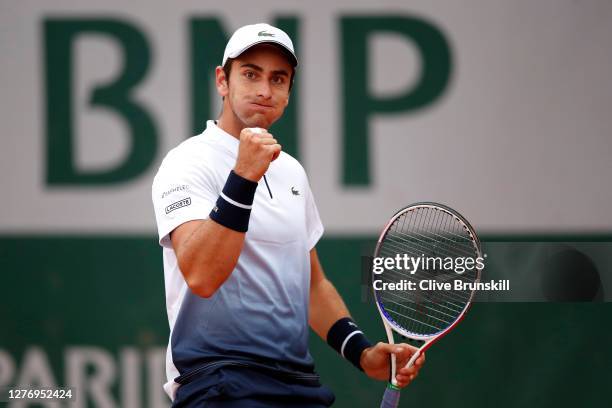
column 428, row 340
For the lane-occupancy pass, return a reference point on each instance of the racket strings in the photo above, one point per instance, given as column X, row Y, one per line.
column 443, row 236
column 420, row 242
column 431, row 312
column 395, row 246
column 450, row 316
column 454, row 304
column 398, row 276
column 428, row 233
column 462, row 245
column 400, row 241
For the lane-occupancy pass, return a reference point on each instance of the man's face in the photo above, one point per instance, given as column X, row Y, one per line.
column 258, row 88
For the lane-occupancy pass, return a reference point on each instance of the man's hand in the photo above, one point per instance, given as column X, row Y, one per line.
column 257, row 150
column 376, row 361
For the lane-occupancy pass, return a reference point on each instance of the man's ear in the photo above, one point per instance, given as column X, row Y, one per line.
column 221, row 81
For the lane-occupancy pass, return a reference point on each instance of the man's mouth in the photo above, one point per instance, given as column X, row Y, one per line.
column 261, row 105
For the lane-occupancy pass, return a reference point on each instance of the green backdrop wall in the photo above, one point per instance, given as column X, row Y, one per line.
column 60, row 294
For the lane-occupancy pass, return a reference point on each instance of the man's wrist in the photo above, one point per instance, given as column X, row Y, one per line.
column 362, row 356
column 245, row 174
column 347, row 339
column 233, row 207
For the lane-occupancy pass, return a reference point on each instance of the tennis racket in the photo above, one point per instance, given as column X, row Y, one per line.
column 432, row 305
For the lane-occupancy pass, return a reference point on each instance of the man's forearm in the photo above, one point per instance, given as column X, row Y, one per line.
column 330, row 319
column 326, row 307
column 207, row 255
column 207, row 251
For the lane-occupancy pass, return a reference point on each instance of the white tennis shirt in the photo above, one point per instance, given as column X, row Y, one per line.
column 262, row 308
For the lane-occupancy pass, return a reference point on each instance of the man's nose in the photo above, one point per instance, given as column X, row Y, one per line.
column 264, row 90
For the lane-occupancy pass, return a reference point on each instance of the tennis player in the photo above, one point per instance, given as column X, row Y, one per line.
column 238, row 225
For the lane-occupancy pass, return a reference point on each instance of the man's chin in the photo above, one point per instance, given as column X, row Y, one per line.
column 258, row 121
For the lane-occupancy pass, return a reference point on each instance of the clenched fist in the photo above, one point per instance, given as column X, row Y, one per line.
column 256, row 151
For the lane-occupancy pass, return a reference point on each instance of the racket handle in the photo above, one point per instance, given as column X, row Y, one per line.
column 391, row 397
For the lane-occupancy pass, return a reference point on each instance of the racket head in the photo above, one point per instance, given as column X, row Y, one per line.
column 426, row 229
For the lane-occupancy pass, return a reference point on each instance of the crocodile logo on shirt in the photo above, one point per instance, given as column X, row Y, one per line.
column 295, row 192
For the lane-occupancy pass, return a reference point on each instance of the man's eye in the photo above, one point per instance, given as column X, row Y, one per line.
column 249, row 74
column 279, row 80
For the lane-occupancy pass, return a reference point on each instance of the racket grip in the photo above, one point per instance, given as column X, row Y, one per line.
column 390, row 398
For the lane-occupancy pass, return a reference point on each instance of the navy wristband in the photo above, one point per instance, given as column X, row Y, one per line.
column 345, row 337
column 233, row 208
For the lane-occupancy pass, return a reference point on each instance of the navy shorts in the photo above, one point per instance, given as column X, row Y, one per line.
column 240, row 386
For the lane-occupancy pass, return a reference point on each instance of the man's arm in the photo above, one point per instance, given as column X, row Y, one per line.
column 207, row 253
column 327, row 307
column 207, row 250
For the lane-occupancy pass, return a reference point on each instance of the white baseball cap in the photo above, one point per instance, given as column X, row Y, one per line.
column 249, row 35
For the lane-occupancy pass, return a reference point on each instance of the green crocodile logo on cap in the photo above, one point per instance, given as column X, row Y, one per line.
column 265, row 34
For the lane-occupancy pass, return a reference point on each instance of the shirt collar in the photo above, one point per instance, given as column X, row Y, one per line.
column 222, row 137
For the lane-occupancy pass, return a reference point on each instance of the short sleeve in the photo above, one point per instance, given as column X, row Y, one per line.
column 183, row 190
column 314, row 226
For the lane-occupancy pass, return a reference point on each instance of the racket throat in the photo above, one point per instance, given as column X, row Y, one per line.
column 413, row 358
